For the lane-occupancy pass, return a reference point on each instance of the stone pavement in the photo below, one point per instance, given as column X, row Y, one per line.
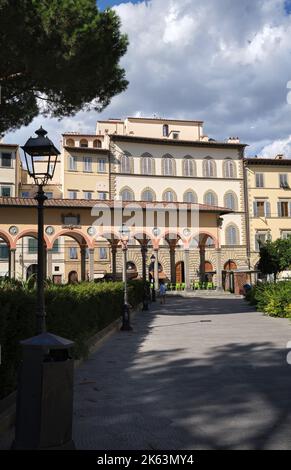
column 194, row 374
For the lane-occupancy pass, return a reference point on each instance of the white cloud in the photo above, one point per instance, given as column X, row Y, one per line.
column 225, row 62
column 282, row 146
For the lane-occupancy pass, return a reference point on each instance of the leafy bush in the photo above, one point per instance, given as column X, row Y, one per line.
column 272, row 298
column 76, row 312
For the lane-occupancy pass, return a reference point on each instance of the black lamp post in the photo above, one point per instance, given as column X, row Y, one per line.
column 124, row 237
column 45, row 386
column 153, row 259
column 41, row 157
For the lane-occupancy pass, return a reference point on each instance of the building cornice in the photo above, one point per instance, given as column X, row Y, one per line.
column 178, row 142
column 267, row 161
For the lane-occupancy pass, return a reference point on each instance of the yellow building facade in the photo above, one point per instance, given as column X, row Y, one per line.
column 268, row 186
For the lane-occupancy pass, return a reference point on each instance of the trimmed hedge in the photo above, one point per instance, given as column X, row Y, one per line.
column 76, row 312
column 274, row 299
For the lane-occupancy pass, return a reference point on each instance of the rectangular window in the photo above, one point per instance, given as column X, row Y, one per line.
column 102, row 195
column 284, row 208
column 101, row 166
column 72, row 163
column 102, row 253
column 259, row 180
column 5, row 191
column 56, row 246
column 260, row 238
column 283, row 181
column 73, row 253
column 88, row 195
column 262, row 209
column 4, row 253
column 87, row 164
column 285, row 234
column 49, row 194
column 25, row 194
column 6, row 160
column 71, row 220
column 32, row 246
column 73, row 194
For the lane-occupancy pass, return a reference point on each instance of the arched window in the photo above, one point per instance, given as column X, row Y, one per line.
column 147, row 164
column 125, row 163
column 210, row 198
column 130, row 266
column 84, row 143
column 97, row 143
column 230, row 200
column 232, row 235
column 190, row 197
column 168, row 165
column 229, row 168
column 169, row 196
column 148, row 195
column 127, row 194
column 70, row 142
column 189, row 167
column 165, row 130
column 209, row 168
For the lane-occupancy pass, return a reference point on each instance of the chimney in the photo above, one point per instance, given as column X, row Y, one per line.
column 233, row 140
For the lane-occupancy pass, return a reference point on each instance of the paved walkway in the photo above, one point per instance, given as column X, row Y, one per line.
column 194, row 374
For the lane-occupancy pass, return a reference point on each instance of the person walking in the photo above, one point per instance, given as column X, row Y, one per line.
column 162, row 292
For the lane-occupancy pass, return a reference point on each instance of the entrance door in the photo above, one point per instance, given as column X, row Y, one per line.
column 180, row 275
column 57, row 279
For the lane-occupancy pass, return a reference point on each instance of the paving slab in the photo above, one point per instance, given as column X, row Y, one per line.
column 196, row 373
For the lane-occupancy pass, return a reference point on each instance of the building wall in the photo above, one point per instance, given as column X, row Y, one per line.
column 10, row 176
column 271, row 223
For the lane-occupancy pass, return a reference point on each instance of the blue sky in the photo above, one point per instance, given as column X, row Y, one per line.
column 226, row 62
column 102, row 4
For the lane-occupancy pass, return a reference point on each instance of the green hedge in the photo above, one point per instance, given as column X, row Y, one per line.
column 76, row 312
column 271, row 298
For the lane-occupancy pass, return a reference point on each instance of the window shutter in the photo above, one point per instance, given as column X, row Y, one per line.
column 255, row 209
column 279, row 209
column 289, row 208
column 267, row 209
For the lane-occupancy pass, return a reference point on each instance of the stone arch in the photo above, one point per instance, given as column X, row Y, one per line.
column 84, row 143
column 189, row 166
column 127, row 188
column 193, row 193
column 167, row 168
column 154, row 197
column 168, row 190
column 5, row 236
column 33, row 234
column 230, row 265
column 235, row 200
column 97, row 143
column 150, row 158
column 206, row 197
column 232, row 235
column 77, row 235
column 70, row 142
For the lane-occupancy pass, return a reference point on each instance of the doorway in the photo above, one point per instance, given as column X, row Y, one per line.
column 180, row 273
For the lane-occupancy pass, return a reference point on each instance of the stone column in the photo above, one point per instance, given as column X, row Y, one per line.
column 49, row 260
column 144, row 251
column 113, row 258
column 83, row 263
column 186, row 269
column 173, row 263
column 12, row 273
column 202, row 263
column 218, row 269
column 156, row 269
column 91, row 264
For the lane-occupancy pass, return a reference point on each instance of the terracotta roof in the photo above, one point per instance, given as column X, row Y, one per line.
column 86, row 203
column 267, row 161
column 189, row 143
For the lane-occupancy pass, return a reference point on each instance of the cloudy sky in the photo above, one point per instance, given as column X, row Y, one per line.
column 227, row 62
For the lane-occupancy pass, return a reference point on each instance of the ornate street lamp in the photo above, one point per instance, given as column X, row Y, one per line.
column 124, row 233
column 41, row 157
column 153, row 259
column 45, row 386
